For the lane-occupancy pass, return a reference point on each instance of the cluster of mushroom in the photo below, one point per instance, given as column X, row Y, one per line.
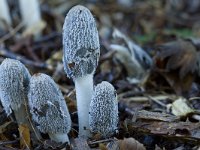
column 39, row 95
column 97, row 106
column 19, row 91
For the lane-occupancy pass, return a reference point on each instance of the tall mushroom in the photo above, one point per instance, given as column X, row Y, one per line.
column 81, row 52
column 14, row 80
column 103, row 116
column 48, row 108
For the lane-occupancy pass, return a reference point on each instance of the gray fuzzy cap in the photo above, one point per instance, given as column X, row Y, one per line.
column 14, row 80
column 81, row 47
column 47, row 105
column 103, row 114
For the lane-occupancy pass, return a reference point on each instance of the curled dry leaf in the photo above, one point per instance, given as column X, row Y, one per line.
column 136, row 61
column 178, row 62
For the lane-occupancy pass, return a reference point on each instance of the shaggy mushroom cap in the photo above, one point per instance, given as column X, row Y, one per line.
column 14, row 80
column 47, row 105
column 81, row 47
column 103, row 116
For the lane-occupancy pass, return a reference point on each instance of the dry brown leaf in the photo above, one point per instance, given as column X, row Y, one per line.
column 24, row 132
column 130, row 144
column 178, row 62
column 180, row 55
column 183, row 130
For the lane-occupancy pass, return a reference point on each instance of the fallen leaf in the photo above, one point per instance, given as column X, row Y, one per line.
column 178, row 63
column 130, row 144
column 180, row 107
column 136, row 61
column 25, row 141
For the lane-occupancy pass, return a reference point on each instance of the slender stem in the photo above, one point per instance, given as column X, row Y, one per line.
column 30, row 11
column 22, row 117
column 84, row 89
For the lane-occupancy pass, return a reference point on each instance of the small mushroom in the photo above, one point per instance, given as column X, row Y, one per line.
column 14, row 80
column 103, row 116
column 81, row 52
column 48, row 108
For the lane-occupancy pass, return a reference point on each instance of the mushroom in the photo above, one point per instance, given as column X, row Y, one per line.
column 14, row 80
column 30, row 11
column 103, row 116
column 48, row 108
column 81, row 52
column 5, row 14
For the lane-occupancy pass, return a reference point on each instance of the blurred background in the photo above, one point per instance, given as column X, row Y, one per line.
column 148, row 47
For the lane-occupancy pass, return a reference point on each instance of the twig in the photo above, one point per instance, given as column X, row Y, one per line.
column 9, row 142
column 194, row 98
column 157, row 101
column 9, row 54
column 7, row 148
column 100, row 141
column 11, row 33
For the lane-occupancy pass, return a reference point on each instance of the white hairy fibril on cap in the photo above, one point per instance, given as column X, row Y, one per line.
column 48, row 107
column 14, row 80
column 81, row 50
column 103, row 116
column 81, row 47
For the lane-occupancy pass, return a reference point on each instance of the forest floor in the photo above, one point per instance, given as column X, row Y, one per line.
column 158, row 94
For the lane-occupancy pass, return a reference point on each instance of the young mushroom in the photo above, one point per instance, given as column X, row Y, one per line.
column 81, row 52
column 14, row 80
column 48, row 108
column 103, row 116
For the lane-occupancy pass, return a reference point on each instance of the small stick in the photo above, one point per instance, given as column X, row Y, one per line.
column 11, row 33
column 100, row 141
column 9, row 142
column 9, row 54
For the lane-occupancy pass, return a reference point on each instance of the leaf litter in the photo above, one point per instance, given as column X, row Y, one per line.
column 147, row 53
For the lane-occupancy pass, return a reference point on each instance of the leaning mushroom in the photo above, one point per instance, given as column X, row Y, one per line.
column 48, row 108
column 81, row 52
column 103, row 116
column 14, row 80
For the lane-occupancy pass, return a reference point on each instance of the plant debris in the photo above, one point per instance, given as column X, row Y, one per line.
column 150, row 53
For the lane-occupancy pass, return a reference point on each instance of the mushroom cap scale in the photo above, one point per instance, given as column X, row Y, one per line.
column 103, row 116
column 14, row 80
column 47, row 105
column 81, row 47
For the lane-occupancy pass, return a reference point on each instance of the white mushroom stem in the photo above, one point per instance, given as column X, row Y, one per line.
column 20, row 115
column 84, row 90
column 5, row 14
column 31, row 15
column 30, row 12
column 59, row 137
